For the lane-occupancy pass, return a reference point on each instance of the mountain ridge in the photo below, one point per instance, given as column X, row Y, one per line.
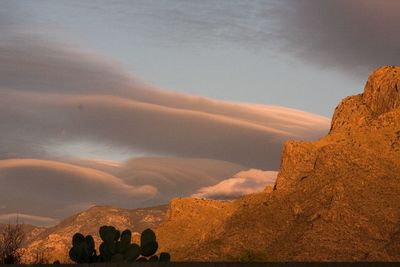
column 335, row 199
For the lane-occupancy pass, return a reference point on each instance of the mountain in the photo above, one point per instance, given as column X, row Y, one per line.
column 54, row 243
column 335, row 199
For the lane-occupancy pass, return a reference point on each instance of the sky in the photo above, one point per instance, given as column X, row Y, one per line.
column 229, row 50
column 137, row 102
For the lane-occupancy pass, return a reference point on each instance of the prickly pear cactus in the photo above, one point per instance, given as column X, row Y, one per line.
column 148, row 243
column 149, row 246
column 83, row 249
column 164, row 257
column 116, row 247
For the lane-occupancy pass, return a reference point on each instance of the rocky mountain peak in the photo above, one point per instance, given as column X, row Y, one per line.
column 381, row 95
column 382, row 91
column 366, row 123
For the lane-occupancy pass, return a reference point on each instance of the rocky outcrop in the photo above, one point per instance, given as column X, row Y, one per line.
column 363, row 126
column 381, row 96
column 195, row 221
column 382, row 92
column 334, row 199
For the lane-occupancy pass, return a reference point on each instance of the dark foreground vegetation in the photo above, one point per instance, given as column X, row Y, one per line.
column 116, row 247
column 11, row 238
column 230, row 264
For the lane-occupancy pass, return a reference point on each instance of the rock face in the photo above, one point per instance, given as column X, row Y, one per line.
column 54, row 243
column 195, row 221
column 335, row 199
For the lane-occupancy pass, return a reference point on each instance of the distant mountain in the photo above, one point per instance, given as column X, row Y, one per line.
column 54, row 243
column 336, row 199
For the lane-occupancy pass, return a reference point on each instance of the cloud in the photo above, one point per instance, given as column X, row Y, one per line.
column 53, row 96
column 176, row 177
column 50, row 188
column 108, row 166
column 27, row 219
column 55, row 189
column 356, row 36
column 242, row 183
column 159, row 129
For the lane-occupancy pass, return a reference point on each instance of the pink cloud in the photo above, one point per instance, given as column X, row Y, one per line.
column 242, row 183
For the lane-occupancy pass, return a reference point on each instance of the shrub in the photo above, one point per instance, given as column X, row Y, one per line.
column 11, row 238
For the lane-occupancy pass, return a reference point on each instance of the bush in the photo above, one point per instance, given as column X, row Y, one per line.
column 11, row 238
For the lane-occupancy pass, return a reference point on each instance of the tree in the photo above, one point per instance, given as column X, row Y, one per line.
column 11, row 238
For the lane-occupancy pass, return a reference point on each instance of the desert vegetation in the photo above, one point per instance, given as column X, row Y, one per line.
column 11, row 238
column 116, row 247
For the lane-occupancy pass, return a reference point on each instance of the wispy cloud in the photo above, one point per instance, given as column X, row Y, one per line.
column 27, row 219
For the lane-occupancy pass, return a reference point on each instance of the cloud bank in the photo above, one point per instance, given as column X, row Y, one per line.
column 242, row 183
column 52, row 96
column 176, row 177
column 54, row 189
column 43, row 191
column 356, row 36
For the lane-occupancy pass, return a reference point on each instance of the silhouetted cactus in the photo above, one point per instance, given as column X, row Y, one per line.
column 164, row 257
column 148, row 243
column 83, row 249
column 116, row 247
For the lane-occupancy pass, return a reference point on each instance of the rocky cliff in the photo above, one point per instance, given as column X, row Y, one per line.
column 334, row 199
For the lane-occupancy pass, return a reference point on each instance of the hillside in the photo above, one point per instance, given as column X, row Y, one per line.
column 336, row 199
column 54, row 243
